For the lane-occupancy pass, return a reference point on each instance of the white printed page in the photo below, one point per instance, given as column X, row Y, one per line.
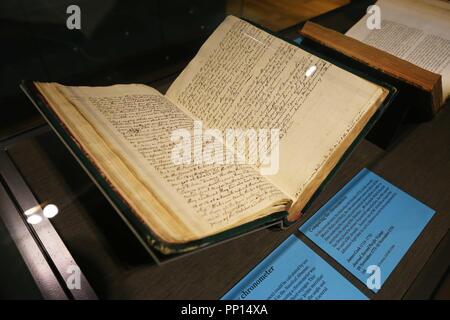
column 416, row 31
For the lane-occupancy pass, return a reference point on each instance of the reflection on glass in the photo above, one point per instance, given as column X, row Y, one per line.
column 50, row 211
column 34, row 216
column 310, row 71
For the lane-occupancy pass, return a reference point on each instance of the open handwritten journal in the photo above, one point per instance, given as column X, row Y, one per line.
column 417, row 31
column 242, row 77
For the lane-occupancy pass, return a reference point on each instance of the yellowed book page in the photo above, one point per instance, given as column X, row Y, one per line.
column 137, row 122
column 417, row 31
column 243, row 77
column 132, row 190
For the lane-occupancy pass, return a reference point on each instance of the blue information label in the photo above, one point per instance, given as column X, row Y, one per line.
column 294, row 272
column 368, row 227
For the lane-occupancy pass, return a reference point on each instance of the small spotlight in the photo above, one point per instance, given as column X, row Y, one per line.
column 310, row 71
column 34, row 219
column 50, row 211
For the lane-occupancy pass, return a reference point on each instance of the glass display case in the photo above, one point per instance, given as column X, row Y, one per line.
column 60, row 235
